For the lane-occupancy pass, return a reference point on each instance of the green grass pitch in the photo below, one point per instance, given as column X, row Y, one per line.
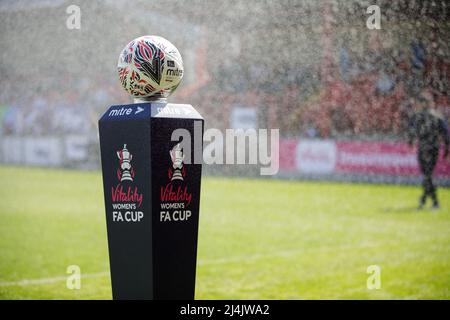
column 258, row 239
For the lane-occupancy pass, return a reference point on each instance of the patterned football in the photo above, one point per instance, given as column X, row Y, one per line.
column 150, row 66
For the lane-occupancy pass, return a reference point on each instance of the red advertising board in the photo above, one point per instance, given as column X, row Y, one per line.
column 354, row 157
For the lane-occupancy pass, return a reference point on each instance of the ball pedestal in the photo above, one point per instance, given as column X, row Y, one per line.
column 152, row 196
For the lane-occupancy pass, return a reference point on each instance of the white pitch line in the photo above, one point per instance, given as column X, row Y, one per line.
column 252, row 258
column 235, row 259
column 32, row 282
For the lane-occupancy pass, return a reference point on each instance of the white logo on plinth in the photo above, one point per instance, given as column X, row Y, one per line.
column 176, row 154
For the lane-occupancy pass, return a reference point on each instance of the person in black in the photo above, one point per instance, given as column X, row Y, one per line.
column 427, row 126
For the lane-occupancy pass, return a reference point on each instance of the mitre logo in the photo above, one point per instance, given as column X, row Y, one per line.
column 177, row 172
column 125, row 172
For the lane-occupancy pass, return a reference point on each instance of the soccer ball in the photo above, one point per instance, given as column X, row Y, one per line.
column 150, row 66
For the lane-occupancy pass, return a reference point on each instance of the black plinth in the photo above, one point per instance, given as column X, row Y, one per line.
column 152, row 195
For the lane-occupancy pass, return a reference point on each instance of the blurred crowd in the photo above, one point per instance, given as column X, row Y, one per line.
column 368, row 94
column 304, row 77
column 50, row 111
column 377, row 95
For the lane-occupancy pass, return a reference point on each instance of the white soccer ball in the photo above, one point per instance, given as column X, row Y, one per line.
column 150, row 66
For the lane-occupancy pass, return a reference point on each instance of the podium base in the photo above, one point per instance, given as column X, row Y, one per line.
column 152, row 197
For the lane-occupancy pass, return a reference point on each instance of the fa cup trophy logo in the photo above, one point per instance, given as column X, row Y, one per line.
column 176, row 154
column 125, row 172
